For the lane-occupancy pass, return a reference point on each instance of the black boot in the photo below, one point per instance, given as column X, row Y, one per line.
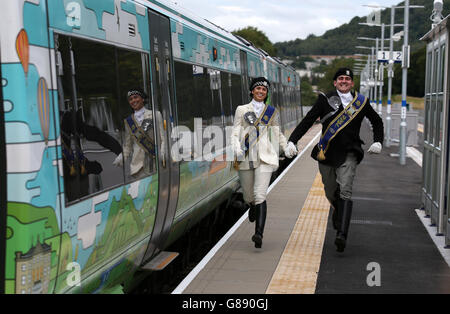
column 335, row 208
column 261, row 213
column 334, row 215
column 252, row 212
column 344, row 216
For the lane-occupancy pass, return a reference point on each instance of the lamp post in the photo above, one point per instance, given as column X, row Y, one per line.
column 372, row 76
column 380, row 76
column 405, row 66
column 365, row 72
column 390, row 77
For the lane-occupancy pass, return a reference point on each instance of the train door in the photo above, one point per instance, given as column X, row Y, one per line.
column 162, row 86
column 2, row 194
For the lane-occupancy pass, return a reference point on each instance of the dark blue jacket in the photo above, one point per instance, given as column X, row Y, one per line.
column 348, row 139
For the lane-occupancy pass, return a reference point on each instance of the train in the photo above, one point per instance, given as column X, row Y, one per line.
column 71, row 221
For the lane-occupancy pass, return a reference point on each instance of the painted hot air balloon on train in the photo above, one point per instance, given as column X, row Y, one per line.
column 43, row 107
column 23, row 50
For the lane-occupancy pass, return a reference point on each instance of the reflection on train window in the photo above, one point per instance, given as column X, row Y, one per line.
column 225, row 79
column 93, row 105
column 199, row 95
column 236, row 92
column 202, row 93
column 214, row 108
column 187, row 106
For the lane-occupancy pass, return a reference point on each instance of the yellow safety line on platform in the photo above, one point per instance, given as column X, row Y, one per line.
column 299, row 265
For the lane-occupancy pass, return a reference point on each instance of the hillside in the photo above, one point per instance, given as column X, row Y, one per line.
column 342, row 40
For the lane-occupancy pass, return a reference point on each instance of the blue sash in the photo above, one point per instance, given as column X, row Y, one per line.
column 264, row 119
column 143, row 140
column 339, row 123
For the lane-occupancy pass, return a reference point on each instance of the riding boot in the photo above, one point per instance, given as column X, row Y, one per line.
column 345, row 215
column 334, row 215
column 252, row 212
column 261, row 213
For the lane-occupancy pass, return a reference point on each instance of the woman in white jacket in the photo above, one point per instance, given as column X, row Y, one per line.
column 256, row 140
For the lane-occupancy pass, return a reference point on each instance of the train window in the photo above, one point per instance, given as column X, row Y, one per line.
column 428, row 75
column 441, row 85
column 93, row 105
column 226, row 97
column 214, row 112
column 198, row 91
column 236, row 92
column 139, row 147
column 187, row 106
column 273, row 96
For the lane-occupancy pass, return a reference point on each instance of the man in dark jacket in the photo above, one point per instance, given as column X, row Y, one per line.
column 339, row 151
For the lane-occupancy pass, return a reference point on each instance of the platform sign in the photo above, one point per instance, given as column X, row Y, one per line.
column 383, row 56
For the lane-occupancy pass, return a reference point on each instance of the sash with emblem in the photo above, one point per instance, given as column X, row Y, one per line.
column 250, row 117
column 339, row 123
column 140, row 134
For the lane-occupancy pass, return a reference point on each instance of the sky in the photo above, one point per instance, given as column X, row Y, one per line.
column 282, row 20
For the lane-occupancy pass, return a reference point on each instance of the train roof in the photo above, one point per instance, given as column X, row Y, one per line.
column 187, row 16
column 181, row 14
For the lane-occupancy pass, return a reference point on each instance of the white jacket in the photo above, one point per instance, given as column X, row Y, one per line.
column 140, row 158
column 270, row 140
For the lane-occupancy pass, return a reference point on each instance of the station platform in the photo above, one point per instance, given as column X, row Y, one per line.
column 388, row 249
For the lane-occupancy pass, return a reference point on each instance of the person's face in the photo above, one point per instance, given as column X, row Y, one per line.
column 344, row 84
column 259, row 93
column 136, row 102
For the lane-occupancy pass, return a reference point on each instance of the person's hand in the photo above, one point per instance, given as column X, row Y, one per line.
column 375, row 148
column 290, row 150
column 118, row 162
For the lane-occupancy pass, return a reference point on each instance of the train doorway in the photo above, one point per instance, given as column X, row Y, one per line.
column 162, row 87
column 3, row 198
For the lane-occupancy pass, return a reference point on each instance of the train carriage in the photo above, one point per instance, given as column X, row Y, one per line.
column 435, row 187
column 72, row 221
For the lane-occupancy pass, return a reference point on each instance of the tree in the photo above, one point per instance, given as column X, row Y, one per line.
column 308, row 95
column 416, row 75
column 257, row 38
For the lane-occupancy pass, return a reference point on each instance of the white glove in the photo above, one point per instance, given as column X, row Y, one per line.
column 118, row 162
column 375, row 148
column 290, row 150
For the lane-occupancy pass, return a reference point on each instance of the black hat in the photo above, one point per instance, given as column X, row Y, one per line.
column 343, row 71
column 136, row 91
column 259, row 81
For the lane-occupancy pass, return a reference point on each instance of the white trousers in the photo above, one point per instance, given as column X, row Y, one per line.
column 255, row 183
